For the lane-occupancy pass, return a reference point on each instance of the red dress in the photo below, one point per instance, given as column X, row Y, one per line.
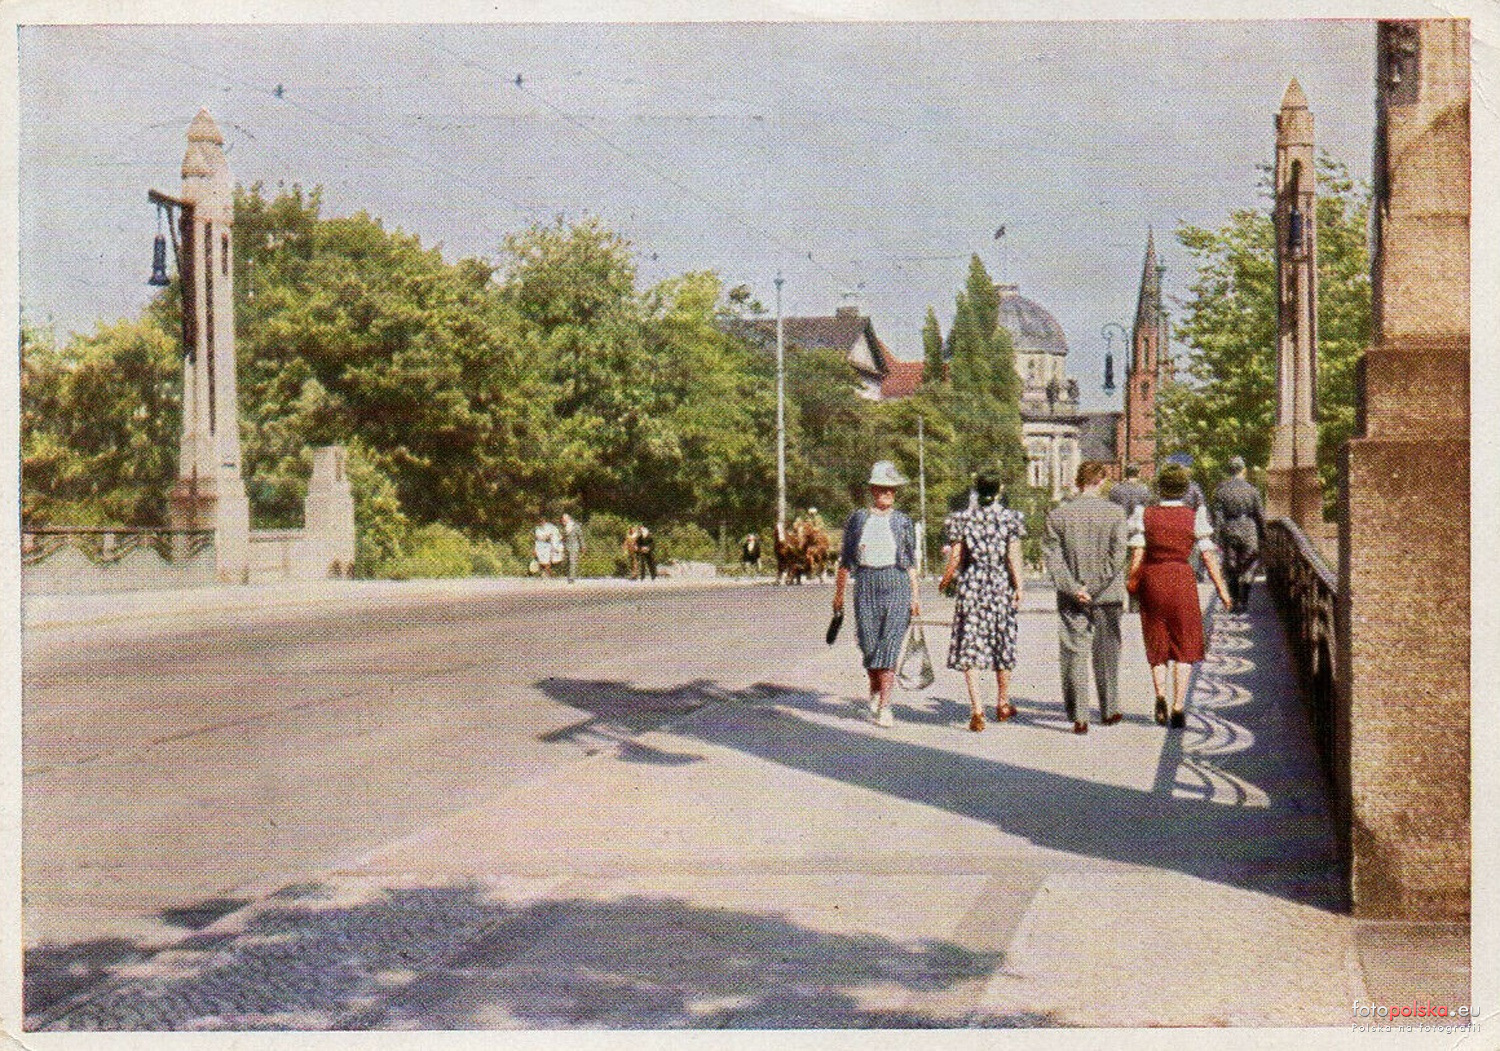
column 1171, row 620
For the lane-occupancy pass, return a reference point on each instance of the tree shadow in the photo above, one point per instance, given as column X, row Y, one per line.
column 1282, row 845
column 451, row 957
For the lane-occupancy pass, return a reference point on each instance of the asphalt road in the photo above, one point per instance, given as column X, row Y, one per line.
column 174, row 765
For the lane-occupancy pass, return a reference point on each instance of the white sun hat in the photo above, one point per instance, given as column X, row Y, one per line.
column 885, row 474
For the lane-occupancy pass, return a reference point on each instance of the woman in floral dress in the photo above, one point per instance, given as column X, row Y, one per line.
column 986, row 561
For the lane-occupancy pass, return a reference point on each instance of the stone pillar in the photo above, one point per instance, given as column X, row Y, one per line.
column 328, row 513
column 1403, row 724
column 210, row 491
column 1292, row 487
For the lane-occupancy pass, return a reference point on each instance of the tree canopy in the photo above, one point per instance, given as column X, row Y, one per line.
column 1225, row 404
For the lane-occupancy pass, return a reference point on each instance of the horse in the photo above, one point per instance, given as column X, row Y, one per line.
column 801, row 552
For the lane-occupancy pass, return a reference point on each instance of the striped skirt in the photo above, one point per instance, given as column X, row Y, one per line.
column 882, row 613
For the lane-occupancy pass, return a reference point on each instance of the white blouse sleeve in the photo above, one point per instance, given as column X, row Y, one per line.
column 1136, row 527
column 1203, row 529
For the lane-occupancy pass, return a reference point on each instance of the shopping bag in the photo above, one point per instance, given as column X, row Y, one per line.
column 914, row 669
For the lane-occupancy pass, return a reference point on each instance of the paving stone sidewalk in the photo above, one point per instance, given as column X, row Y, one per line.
column 774, row 860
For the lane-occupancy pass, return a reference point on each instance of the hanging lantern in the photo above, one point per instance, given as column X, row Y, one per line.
column 1109, row 372
column 159, row 276
column 159, row 263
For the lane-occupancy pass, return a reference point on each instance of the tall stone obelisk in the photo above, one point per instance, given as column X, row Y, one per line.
column 210, row 493
column 1292, row 487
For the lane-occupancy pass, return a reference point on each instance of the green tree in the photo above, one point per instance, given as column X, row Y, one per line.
column 100, row 423
column 985, row 407
column 932, row 349
column 1226, row 403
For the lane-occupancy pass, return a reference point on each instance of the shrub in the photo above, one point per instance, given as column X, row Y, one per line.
column 686, row 542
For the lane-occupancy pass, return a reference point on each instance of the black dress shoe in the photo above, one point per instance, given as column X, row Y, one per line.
column 1161, row 711
column 1110, row 720
column 1179, row 719
column 1080, row 728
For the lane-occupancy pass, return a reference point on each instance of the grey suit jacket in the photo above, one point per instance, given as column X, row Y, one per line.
column 1085, row 546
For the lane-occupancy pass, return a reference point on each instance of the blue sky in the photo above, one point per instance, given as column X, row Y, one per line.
column 887, row 152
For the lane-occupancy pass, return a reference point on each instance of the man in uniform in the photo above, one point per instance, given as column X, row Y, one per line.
column 1240, row 521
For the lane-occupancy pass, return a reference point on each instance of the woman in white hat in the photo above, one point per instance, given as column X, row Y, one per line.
column 880, row 549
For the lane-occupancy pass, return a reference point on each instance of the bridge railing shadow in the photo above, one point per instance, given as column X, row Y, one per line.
column 1235, row 798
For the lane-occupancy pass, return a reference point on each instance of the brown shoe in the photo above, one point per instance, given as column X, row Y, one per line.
column 1110, row 720
column 1080, row 728
column 976, row 722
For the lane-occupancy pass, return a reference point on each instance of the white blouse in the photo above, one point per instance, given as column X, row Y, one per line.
column 877, row 544
column 1203, row 530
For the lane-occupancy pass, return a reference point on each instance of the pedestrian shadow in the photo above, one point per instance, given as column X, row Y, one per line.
column 1197, row 818
column 454, row 957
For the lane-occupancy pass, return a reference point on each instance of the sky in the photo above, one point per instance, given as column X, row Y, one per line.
column 865, row 162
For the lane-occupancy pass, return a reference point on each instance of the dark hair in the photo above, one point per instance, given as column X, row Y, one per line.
column 1091, row 472
column 987, row 485
column 1172, row 482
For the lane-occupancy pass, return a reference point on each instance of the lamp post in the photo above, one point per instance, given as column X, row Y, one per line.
column 921, row 498
column 780, row 416
column 1108, row 332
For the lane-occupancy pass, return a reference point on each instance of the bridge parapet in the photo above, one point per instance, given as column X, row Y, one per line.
column 1305, row 588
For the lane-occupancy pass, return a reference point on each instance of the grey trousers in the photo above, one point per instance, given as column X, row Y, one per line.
column 1084, row 632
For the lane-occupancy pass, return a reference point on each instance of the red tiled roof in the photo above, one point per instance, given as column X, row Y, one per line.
column 902, row 378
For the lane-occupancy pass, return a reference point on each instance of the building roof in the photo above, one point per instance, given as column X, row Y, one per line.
column 838, row 331
column 1032, row 328
column 1148, row 301
column 902, row 378
column 1096, row 436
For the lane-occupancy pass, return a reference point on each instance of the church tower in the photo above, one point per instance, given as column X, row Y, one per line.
column 210, row 492
column 1139, row 446
column 1292, row 487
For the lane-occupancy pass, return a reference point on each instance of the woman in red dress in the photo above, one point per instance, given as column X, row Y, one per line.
column 1161, row 539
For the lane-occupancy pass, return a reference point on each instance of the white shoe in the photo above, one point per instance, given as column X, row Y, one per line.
column 885, row 718
column 873, row 704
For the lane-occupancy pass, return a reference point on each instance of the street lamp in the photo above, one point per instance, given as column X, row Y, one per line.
column 780, row 416
column 1108, row 332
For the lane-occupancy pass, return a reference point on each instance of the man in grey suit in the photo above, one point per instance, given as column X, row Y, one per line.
column 1086, row 554
column 1239, row 517
column 1130, row 493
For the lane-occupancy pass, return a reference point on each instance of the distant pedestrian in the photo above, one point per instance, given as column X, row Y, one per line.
column 1161, row 539
column 632, row 559
column 750, row 553
column 572, row 538
column 1086, row 552
column 547, row 547
column 880, row 551
column 1130, row 493
column 985, row 561
column 1239, row 517
column 645, row 551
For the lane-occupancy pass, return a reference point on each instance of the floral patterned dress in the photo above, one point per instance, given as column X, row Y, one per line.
column 984, row 618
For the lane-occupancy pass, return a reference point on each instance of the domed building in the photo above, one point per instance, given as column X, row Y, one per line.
column 1057, row 435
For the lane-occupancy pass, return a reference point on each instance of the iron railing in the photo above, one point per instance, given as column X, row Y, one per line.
column 108, row 545
column 1305, row 588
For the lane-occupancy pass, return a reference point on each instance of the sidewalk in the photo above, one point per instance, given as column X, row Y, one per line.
column 774, row 860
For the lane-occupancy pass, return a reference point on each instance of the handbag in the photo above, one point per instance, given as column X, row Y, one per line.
column 914, row 669
column 834, row 625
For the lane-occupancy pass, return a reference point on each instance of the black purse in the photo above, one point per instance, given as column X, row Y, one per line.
column 833, row 627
